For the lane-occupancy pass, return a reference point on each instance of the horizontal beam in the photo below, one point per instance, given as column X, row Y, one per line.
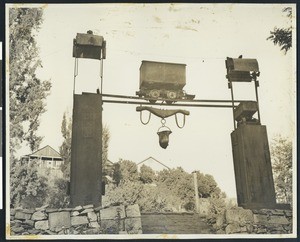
column 165, row 104
column 176, row 100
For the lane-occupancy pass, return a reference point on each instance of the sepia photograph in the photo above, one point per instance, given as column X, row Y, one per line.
column 150, row 121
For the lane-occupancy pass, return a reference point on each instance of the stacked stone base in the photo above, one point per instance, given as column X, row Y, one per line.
column 78, row 220
column 246, row 221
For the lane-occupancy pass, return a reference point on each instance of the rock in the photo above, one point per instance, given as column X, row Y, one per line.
column 33, row 231
column 59, row 220
column 75, row 213
column 92, row 216
column 50, row 232
column 22, row 216
column 12, row 217
column 220, row 231
column 249, row 228
column 30, row 211
column 42, row 225
column 133, row 211
column 17, row 229
column 111, row 226
column 92, row 231
column 58, row 229
column 278, row 220
column 25, row 233
column 97, row 209
column 51, row 210
column 43, row 208
column 220, row 221
column 85, row 211
column 29, row 222
column 88, row 206
column 79, row 220
column 265, row 211
column 39, row 215
column 123, row 232
column 239, row 215
column 113, row 212
column 133, row 225
column 261, row 219
column 277, row 212
column 94, row 225
column 243, row 229
column 288, row 213
column 78, row 208
column 261, row 231
column 232, row 228
column 65, row 209
column 12, row 212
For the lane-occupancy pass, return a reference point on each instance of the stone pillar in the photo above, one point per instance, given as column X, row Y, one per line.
column 86, row 150
column 252, row 167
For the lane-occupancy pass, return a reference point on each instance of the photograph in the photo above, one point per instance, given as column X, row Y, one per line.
column 150, row 121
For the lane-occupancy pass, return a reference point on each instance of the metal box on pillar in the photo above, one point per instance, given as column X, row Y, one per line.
column 250, row 147
column 86, row 146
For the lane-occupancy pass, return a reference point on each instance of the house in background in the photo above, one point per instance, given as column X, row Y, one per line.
column 153, row 163
column 47, row 159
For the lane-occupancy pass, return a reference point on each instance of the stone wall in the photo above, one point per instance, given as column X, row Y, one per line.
column 263, row 221
column 79, row 220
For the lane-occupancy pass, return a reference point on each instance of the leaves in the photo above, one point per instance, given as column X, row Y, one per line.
column 27, row 187
column 282, row 164
column 27, row 93
column 282, row 36
column 147, row 175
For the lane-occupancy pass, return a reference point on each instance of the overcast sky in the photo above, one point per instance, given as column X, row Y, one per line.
column 198, row 35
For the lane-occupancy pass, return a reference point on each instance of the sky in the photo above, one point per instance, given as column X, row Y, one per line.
column 198, row 35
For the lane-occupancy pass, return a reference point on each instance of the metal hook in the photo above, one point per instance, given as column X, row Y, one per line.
column 142, row 118
column 177, row 121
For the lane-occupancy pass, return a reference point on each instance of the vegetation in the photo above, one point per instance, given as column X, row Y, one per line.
column 282, row 164
column 283, row 36
column 27, row 95
column 165, row 191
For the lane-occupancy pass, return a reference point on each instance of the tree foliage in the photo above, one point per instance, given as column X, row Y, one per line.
column 283, row 36
column 147, row 174
column 125, row 170
column 27, row 93
column 27, row 188
column 166, row 191
column 282, row 164
column 65, row 148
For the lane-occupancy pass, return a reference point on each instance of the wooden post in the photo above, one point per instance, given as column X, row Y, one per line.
column 196, row 191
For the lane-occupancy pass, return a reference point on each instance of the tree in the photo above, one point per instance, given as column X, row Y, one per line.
column 28, row 189
column 27, row 93
column 124, row 171
column 147, row 175
column 65, row 148
column 105, row 145
column 283, row 36
column 282, row 164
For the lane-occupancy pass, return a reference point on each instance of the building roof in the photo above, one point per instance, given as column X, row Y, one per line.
column 46, row 151
column 151, row 158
